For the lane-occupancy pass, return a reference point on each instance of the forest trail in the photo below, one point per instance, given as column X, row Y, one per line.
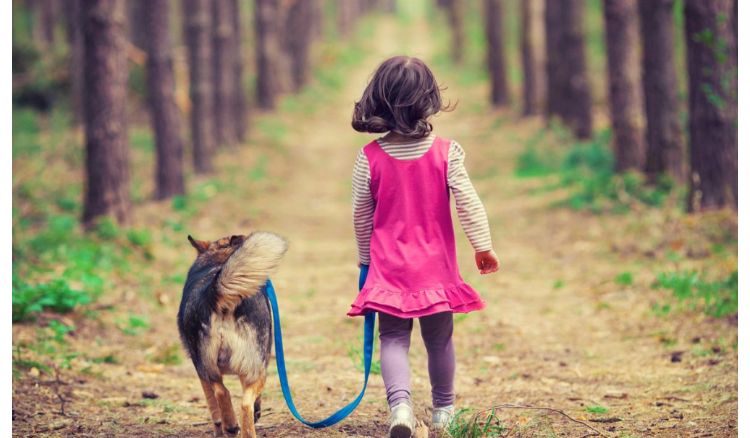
column 557, row 331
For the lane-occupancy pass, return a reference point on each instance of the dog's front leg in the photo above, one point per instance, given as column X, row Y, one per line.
column 213, row 407
column 251, row 394
column 224, row 400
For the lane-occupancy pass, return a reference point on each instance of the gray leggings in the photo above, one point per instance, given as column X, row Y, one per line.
column 437, row 333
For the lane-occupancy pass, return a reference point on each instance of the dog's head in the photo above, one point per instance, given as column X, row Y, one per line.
column 219, row 250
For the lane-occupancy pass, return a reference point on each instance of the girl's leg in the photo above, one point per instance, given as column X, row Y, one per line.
column 395, row 334
column 437, row 333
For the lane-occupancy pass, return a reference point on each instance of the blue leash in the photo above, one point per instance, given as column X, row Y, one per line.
column 281, row 366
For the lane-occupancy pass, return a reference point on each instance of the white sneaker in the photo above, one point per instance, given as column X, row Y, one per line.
column 402, row 421
column 441, row 417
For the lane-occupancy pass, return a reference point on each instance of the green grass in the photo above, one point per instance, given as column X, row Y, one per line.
column 467, row 424
column 586, row 170
column 356, row 354
column 596, row 409
column 624, row 279
column 715, row 298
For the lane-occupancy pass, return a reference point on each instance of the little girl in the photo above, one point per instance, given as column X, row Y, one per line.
column 402, row 220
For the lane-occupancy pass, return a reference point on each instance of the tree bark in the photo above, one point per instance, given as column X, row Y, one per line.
column 165, row 118
column 576, row 104
column 493, row 13
column 456, row 23
column 532, row 53
column 664, row 150
column 197, row 24
column 625, row 98
column 298, row 33
column 712, row 78
column 223, row 73
column 136, row 23
column 267, row 49
column 347, row 15
column 105, row 74
column 240, row 96
column 552, row 41
column 75, row 58
column 43, row 22
column 572, row 89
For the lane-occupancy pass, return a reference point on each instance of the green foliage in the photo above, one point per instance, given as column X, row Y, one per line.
column 533, row 162
column 715, row 298
column 587, row 170
column 356, row 354
column 466, row 424
column 596, row 409
column 624, row 279
column 133, row 325
column 56, row 295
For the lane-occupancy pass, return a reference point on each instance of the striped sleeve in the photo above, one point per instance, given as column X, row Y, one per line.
column 363, row 207
column 471, row 213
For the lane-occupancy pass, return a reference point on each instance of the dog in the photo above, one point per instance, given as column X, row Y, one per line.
column 225, row 322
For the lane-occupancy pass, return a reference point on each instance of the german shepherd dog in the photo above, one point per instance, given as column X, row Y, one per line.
column 225, row 322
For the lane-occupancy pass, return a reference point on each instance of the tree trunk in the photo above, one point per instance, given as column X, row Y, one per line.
column 267, row 49
column 223, row 73
column 240, row 96
column 712, row 78
column 136, row 24
column 197, row 22
column 347, row 15
column 493, row 14
column 165, row 118
column 532, row 51
column 664, row 150
column 625, row 98
column 317, row 22
column 456, row 23
column 75, row 58
column 105, row 74
column 576, row 97
column 298, row 42
column 553, row 41
column 43, row 22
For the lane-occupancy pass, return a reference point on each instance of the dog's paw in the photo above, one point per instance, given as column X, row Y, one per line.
column 218, row 431
column 232, row 430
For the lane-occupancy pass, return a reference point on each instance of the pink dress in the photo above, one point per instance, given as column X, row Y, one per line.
column 413, row 269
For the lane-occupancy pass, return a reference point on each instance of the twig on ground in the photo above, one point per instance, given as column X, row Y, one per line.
column 58, row 383
column 540, row 408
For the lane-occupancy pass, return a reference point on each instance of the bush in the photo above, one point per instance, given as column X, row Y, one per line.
column 714, row 298
column 56, row 295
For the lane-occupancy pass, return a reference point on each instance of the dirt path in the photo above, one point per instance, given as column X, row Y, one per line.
column 557, row 331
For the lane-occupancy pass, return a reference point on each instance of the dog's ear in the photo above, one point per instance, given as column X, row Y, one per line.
column 200, row 245
column 236, row 240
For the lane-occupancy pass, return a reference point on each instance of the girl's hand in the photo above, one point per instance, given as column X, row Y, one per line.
column 487, row 262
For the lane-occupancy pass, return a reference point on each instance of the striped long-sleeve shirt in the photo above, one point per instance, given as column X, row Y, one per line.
column 471, row 213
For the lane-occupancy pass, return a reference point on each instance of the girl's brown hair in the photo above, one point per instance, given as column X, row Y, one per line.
column 401, row 96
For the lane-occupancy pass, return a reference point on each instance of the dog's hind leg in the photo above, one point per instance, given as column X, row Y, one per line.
column 224, row 400
column 256, row 409
column 250, row 398
column 213, row 407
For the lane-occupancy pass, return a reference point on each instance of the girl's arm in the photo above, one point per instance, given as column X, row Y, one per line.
column 363, row 207
column 471, row 213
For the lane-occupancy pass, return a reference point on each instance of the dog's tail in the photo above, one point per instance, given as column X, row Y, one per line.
column 248, row 268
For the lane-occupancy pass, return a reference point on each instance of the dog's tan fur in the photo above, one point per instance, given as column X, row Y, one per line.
column 248, row 268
